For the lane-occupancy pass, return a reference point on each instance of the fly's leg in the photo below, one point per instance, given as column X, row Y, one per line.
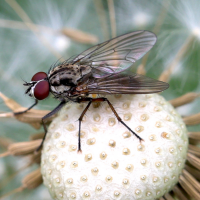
column 113, row 110
column 18, row 113
column 54, row 111
column 80, row 119
column 120, row 120
column 44, row 118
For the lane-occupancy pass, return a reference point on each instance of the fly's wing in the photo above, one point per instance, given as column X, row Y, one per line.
column 123, row 84
column 117, row 54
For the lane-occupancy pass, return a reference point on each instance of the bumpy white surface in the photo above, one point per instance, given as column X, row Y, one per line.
column 113, row 163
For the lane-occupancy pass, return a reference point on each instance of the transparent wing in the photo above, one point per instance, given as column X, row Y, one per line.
column 117, row 54
column 123, row 84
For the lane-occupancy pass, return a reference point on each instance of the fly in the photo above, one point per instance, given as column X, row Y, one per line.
column 98, row 70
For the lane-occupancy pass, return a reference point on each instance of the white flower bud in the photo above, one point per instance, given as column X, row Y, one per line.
column 113, row 163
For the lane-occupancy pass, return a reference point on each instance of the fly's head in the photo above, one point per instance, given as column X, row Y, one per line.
column 38, row 88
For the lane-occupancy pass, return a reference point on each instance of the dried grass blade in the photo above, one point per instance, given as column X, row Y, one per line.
column 191, row 180
column 182, row 100
column 180, row 193
column 193, row 160
column 188, row 188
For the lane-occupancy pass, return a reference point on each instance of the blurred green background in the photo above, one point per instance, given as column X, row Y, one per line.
column 23, row 53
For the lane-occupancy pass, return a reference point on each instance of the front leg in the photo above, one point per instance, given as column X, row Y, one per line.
column 54, row 111
column 18, row 113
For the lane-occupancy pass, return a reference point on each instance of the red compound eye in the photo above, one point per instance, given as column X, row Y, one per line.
column 41, row 90
column 39, row 76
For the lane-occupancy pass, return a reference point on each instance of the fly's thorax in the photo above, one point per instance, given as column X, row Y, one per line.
column 64, row 78
column 64, row 75
column 68, row 74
